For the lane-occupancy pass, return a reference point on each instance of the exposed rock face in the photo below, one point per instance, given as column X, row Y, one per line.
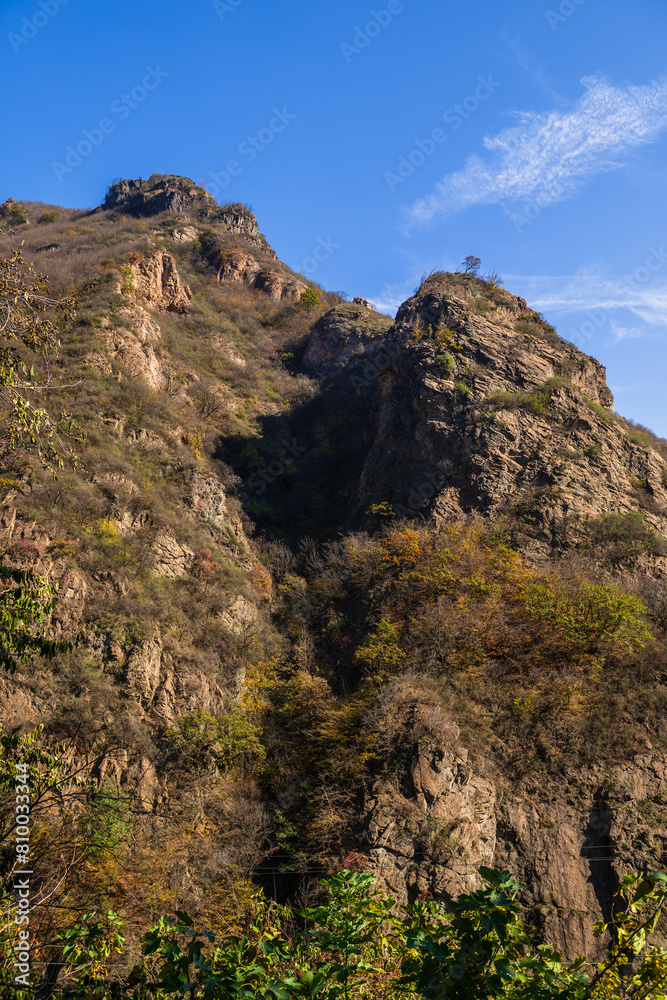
column 164, row 688
column 239, row 219
column 186, row 235
column 181, row 197
column 430, row 836
column 430, row 821
column 169, row 557
column 133, row 345
column 158, row 283
column 347, row 333
column 160, row 193
column 485, row 413
column 358, row 301
column 240, row 266
column 439, row 813
column 208, row 502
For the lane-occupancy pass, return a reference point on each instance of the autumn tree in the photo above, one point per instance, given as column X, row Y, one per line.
column 471, row 265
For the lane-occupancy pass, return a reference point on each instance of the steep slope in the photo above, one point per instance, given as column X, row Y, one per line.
column 482, row 408
column 183, row 312
column 324, row 568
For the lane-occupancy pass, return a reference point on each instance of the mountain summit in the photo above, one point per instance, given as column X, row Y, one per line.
column 482, row 408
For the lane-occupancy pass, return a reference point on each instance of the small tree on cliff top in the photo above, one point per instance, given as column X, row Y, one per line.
column 471, row 265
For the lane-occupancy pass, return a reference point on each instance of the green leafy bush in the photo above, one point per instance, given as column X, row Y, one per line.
column 355, row 944
column 310, row 299
column 226, row 740
column 445, row 363
column 594, row 615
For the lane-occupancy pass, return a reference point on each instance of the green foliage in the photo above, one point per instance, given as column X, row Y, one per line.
column 105, row 823
column 310, row 299
column 594, row 615
column 603, row 413
column 462, row 389
column 16, row 214
column 25, row 601
column 128, row 279
column 356, row 944
column 225, row 740
column 381, row 653
column 48, row 217
column 533, row 324
column 87, row 945
column 538, row 401
column 382, row 510
column 637, row 437
column 445, row 363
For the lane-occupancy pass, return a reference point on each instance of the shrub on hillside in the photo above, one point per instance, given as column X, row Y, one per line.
column 310, row 299
column 625, row 537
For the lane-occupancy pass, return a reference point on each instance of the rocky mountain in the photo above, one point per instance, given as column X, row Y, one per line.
column 347, row 589
column 484, row 409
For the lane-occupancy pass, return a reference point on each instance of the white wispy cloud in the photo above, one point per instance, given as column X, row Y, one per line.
column 392, row 297
column 592, row 291
column 618, row 390
column 547, row 157
column 626, row 332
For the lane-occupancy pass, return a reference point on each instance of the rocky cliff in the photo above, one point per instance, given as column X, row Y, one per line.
column 479, row 407
column 238, row 664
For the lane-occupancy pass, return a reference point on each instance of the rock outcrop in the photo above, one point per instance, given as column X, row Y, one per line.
column 160, row 193
column 241, row 266
column 158, row 283
column 347, row 333
column 441, row 810
column 239, row 219
column 428, row 822
column 479, row 407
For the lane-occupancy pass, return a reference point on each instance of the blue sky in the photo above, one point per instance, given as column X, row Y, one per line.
column 396, row 137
